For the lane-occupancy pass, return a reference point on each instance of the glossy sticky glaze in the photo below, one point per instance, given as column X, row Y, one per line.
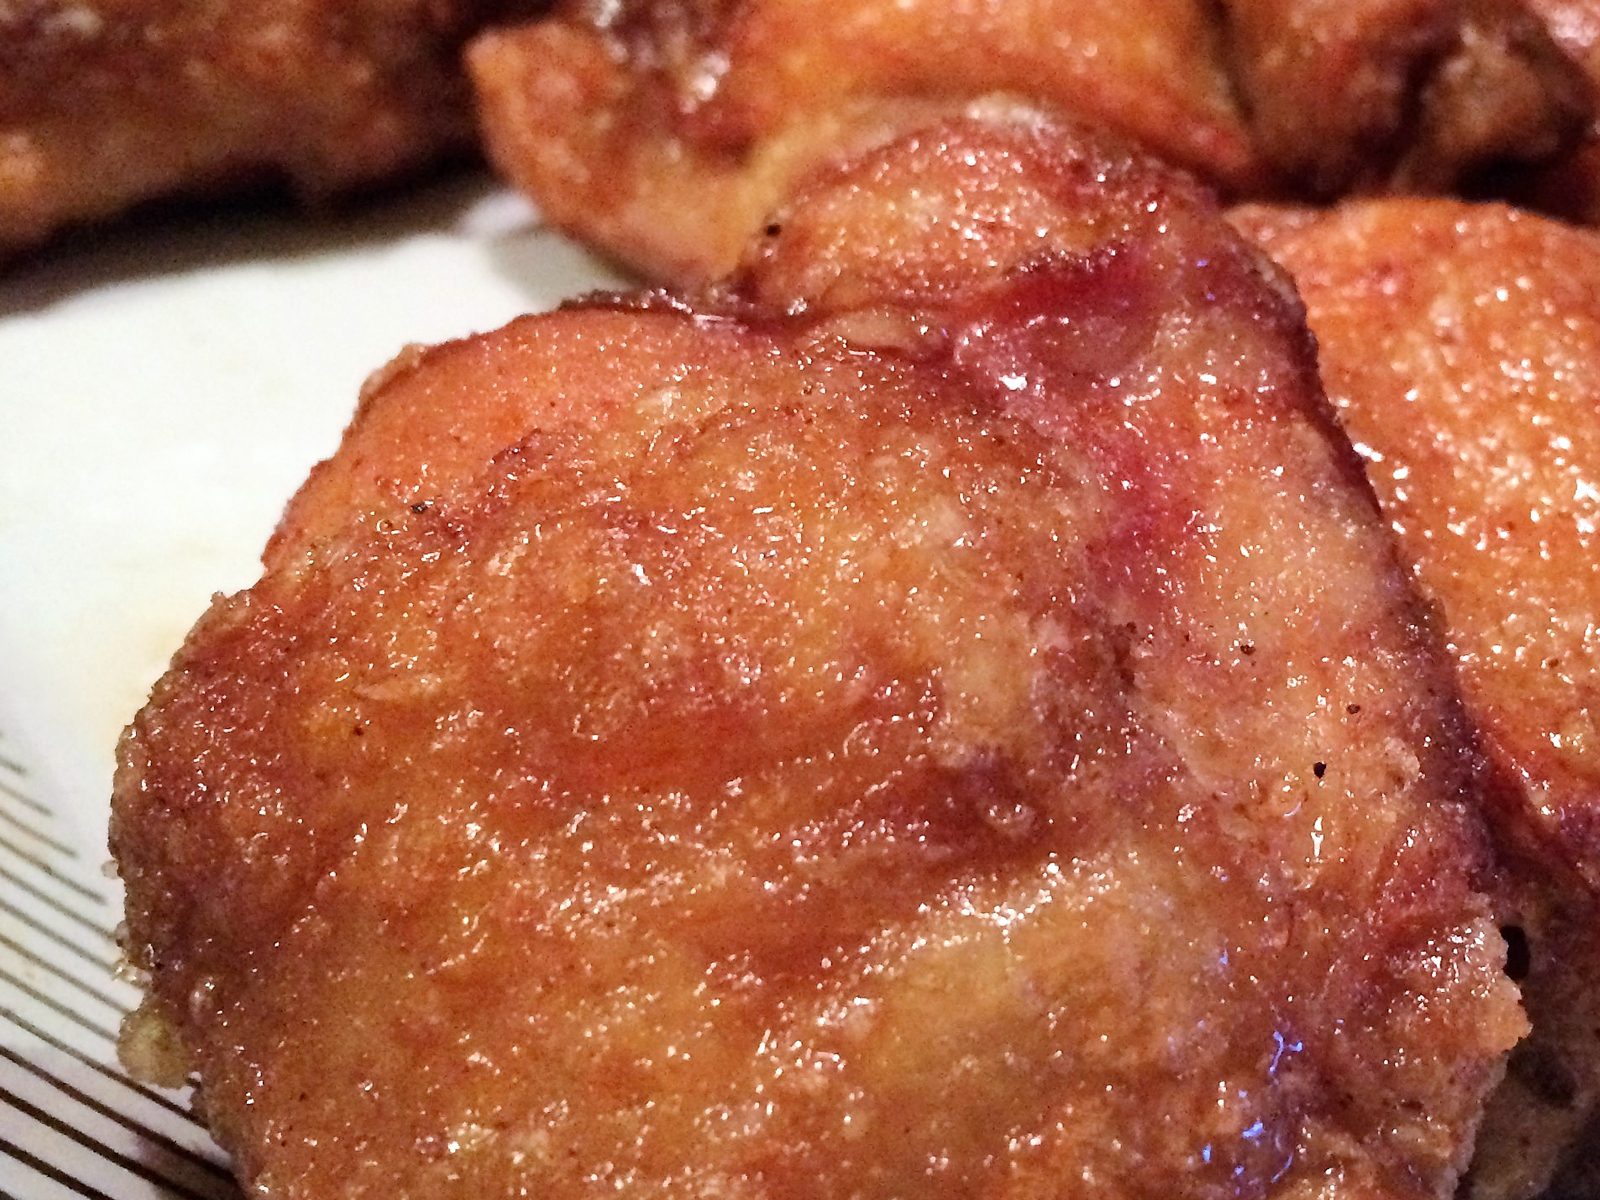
column 837, row 739
column 1462, row 348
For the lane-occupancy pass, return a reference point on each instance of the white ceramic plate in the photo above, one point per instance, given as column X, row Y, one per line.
column 162, row 391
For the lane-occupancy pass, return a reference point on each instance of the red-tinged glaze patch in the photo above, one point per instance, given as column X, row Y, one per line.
column 1061, row 327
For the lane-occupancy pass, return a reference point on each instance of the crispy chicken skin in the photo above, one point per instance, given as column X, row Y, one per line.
column 104, row 103
column 1461, row 346
column 664, row 131
column 937, row 717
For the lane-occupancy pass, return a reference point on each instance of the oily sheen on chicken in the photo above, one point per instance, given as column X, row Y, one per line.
column 663, row 131
column 1460, row 345
column 937, row 716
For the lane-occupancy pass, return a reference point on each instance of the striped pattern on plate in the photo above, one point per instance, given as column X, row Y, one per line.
column 72, row 1124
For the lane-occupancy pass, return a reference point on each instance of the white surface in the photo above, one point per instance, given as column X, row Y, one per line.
column 163, row 389
column 163, row 393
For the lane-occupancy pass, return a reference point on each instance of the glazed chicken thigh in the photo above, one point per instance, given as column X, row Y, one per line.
column 937, row 715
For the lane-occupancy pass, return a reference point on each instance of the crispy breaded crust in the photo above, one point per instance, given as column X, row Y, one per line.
column 938, row 717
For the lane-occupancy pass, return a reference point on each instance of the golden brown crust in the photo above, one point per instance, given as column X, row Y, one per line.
column 1460, row 344
column 665, row 131
column 941, row 720
column 105, row 104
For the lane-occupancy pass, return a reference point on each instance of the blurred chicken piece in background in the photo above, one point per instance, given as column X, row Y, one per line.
column 663, row 131
column 107, row 103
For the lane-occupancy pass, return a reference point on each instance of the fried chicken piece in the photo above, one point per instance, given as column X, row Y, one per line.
column 1571, row 187
column 104, row 103
column 1407, row 94
column 939, row 716
column 665, row 131
column 1460, row 345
